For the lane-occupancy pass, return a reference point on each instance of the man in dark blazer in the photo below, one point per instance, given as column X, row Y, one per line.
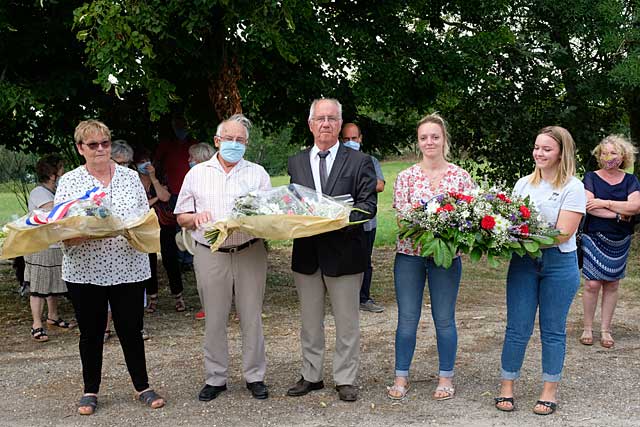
column 332, row 262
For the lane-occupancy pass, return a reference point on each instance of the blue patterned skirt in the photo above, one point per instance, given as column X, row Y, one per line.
column 604, row 259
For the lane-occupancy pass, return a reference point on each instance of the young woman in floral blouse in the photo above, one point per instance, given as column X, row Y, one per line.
column 433, row 176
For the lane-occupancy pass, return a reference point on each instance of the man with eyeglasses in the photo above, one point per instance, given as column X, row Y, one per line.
column 352, row 138
column 331, row 262
column 238, row 267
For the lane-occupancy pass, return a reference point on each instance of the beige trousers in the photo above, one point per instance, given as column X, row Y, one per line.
column 218, row 275
column 344, row 294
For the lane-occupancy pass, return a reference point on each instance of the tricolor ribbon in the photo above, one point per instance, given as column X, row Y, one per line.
column 60, row 210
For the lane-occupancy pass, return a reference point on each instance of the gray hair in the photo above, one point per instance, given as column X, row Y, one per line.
column 240, row 118
column 201, row 152
column 312, row 110
column 121, row 148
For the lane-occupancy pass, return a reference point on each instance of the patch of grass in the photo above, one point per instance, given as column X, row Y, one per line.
column 9, row 206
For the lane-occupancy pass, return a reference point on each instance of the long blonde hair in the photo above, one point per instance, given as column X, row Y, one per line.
column 567, row 167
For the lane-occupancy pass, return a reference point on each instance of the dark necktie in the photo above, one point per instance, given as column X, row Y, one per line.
column 323, row 169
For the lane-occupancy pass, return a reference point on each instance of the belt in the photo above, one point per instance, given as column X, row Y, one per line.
column 233, row 249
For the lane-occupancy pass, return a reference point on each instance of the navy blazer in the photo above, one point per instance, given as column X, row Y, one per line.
column 343, row 251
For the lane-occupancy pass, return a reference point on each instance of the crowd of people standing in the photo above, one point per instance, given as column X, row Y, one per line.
column 199, row 185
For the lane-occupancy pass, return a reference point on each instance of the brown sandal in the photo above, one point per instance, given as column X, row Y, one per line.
column 586, row 338
column 153, row 304
column 606, row 343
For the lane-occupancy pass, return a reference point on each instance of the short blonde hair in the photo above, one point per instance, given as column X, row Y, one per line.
column 622, row 146
column 567, row 167
column 87, row 127
column 440, row 121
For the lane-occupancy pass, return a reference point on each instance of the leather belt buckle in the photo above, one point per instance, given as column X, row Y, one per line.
column 235, row 249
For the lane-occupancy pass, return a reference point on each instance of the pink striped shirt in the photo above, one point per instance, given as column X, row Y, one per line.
column 207, row 187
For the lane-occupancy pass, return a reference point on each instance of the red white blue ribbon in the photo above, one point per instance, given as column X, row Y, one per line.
column 60, row 210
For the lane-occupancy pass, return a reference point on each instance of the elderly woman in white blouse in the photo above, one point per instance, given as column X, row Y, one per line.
column 106, row 271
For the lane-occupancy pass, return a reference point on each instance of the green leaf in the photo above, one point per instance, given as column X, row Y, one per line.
column 475, row 255
column 530, row 246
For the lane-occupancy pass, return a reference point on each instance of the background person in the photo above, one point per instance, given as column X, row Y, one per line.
column 198, row 153
column 352, row 138
column 102, row 272
column 613, row 197
column 43, row 269
column 331, row 262
column 546, row 285
column 158, row 197
column 434, row 175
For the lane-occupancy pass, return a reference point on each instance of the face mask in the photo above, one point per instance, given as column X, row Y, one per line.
column 192, row 164
column 612, row 163
column 353, row 145
column 142, row 167
column 55, row 183
column 232, row 151
column 181, row 134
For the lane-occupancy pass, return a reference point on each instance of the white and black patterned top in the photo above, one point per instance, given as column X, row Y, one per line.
column 110, row 261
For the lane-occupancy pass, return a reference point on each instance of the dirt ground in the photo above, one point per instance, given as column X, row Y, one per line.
column 41, row 383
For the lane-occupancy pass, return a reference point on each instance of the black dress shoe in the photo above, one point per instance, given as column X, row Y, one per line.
column 347, row 392
column 210, row 392
column 258, row 390
column 303, row 387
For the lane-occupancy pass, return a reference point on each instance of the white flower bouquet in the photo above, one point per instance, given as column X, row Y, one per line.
column 286, row 212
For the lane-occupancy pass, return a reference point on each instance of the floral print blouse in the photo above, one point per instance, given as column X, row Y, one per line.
column 413, row 187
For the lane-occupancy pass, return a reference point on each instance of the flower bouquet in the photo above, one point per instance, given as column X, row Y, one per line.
column 483, row 222
column 286, row 212
column 87, row 216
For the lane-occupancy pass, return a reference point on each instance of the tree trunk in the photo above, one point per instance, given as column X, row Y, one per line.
column 223, row 88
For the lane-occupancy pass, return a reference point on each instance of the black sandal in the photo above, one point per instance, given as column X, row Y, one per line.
column 501, row 399
column 88, row 401
column 149, row 397
column 39, row 334
column 60, row 323
column 551, row 405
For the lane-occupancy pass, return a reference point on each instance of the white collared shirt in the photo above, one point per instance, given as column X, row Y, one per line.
column 315, row 163
column 207, row 187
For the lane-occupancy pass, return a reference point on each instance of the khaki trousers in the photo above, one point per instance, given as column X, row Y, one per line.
column 218, row 275
column 344, row 294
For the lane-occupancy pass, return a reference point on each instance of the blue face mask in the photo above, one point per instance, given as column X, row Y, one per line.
column 192, row 164
column 142, row 168
column 181, row 134
column 352, row 144
column 232, row 151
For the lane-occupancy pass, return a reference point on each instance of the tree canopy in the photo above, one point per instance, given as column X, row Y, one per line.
column 498, row 70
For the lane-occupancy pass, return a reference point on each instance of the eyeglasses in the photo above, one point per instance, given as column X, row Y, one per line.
column 331, row 119
column 239, row 139
column 94, row 145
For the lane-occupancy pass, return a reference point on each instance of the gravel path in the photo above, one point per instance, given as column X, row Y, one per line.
column 41, row 383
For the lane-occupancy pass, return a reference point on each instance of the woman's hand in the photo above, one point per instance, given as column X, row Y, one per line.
column 598, row 204
column 151, row 171
column 75, row 241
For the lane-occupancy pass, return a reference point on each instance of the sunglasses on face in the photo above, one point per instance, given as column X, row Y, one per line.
column 94, row 145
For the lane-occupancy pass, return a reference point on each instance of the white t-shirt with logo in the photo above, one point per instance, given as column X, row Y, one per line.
column 550, row 201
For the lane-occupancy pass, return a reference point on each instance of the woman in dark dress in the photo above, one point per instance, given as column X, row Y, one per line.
column 613, row 197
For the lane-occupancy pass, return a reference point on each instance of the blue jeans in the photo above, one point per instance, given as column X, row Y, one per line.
column 410, row 273
column 548, row 285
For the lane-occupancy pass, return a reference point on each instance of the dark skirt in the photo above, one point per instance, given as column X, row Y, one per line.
column 605, row 259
